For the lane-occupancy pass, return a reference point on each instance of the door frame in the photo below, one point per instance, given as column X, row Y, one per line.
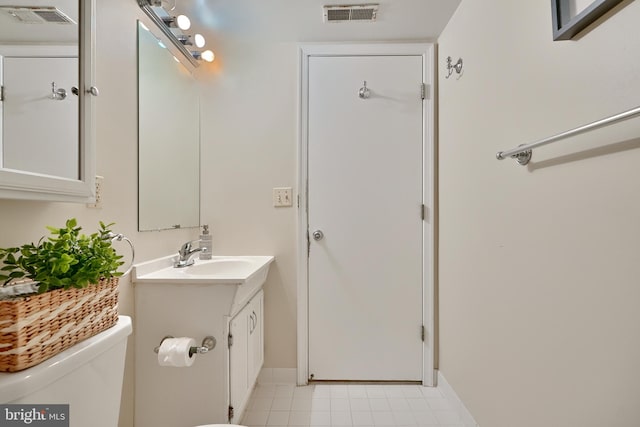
column 427, row 51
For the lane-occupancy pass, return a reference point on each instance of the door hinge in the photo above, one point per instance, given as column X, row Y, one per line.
column 423, row 91
column 1, row 93
column 423, row 333
column 423, row 213
column 230, row 413
column 308, row 244
column 229, row 340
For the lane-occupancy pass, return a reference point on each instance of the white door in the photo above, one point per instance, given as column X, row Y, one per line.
column 31, row 116
column 365, row 193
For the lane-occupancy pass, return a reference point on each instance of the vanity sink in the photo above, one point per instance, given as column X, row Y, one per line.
column 227, row 267
column 231, row 270
column 231, row 280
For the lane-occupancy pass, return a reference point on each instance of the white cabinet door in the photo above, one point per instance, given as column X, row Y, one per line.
column 238, row 360
column 256, row 340
column 246, row 353
column 40, row 133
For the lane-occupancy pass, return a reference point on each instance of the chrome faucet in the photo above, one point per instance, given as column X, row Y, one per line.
column 185, row 253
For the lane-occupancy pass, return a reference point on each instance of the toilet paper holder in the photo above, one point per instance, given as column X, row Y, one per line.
column 208, row 344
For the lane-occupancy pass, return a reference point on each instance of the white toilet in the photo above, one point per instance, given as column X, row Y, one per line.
column 87, row 376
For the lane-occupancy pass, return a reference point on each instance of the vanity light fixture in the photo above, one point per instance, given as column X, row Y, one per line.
column 185, row 39
column 199, row 40
column 181, row 21
column 172, row 26
column 206, row 55
column 158, row 3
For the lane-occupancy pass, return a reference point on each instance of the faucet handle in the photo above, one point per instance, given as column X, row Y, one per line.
column 186, row 247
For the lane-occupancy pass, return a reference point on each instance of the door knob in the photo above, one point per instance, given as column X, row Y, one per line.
column 318, row 235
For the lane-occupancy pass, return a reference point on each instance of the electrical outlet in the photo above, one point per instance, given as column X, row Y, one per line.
column 282, row 197
column 98, row 203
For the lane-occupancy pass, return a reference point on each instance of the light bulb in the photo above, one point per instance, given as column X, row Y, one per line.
column 199, row 40
column 208, row 56
column 183, row 22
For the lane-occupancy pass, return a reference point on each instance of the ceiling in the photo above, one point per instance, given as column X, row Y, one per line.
column 264, row 20
column 301, row 20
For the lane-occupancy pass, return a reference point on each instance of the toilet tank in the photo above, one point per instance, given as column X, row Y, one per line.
column 87, row 376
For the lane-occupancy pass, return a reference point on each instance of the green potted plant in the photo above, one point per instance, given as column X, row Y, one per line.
column 74, row 279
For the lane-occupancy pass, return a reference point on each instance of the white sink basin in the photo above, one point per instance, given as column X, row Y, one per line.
column 238, row 267
column 234, row 279
column 218, row 270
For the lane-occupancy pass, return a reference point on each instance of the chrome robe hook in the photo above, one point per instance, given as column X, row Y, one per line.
column 364, row 92
column 451, row 67
column 57, row 94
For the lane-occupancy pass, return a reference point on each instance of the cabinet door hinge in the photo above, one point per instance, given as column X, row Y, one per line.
column 423, row 214
column 1, row 93
column 423, row 91
column 423, row 333
column 230, row 413
column 308, row 244
column 229, row 340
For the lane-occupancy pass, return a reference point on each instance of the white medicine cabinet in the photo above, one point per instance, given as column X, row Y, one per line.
column 47, row 143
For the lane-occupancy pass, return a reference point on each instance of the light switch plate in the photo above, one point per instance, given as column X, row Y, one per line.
column 282, row 197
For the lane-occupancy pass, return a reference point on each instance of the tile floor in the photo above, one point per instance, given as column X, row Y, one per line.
column 349, row 405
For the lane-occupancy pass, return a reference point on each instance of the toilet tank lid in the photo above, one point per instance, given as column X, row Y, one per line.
column 14, row 385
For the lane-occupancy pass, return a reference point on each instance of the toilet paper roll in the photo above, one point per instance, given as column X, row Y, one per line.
column 175, row 352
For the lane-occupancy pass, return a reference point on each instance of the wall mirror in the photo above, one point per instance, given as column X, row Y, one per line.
column 168, row 138
column 46, row 75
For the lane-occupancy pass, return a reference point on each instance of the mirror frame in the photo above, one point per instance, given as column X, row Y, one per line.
column 15, row 184
column 566, row 27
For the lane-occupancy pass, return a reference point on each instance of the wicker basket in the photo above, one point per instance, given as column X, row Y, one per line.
column 37, row 327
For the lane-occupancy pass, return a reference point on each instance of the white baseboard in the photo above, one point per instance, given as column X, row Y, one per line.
column 277, row 376
column 452, row 396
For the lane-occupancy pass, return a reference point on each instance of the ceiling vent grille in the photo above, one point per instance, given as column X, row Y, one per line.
column 36, row 15
column 347, row 13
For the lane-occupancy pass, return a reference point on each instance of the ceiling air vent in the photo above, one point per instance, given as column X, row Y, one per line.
column 354, row 12
column 36, row 15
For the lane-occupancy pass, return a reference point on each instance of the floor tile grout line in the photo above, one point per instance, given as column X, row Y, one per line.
column 403, row 408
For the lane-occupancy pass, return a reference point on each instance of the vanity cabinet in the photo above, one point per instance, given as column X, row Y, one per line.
column 221, row 297
column 246, row 354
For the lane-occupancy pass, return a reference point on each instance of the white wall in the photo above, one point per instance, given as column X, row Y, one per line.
column 117, row 135
column 539, row 293
column 248, row 107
